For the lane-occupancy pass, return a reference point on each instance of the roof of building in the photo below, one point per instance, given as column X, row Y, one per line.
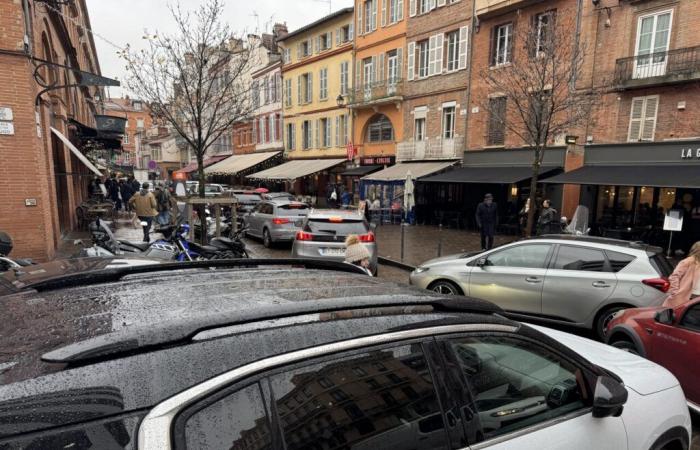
column 320, row 21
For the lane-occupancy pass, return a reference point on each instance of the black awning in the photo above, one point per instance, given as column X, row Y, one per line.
column 677, row 176
column 493, row 175
column 361, row 171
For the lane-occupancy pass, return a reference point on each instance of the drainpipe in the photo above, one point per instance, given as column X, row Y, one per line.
column 469, row 77
column 27, row 28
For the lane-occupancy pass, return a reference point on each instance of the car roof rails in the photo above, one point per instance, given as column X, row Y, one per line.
column 130, row 341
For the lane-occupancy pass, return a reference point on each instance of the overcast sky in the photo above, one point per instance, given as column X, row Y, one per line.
column 124, row 21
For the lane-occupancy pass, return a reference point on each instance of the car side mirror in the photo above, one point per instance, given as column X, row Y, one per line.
column 482, row 262
column 609, row 397
column 665, row 316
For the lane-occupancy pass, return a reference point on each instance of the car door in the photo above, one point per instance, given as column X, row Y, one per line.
column 677, row 348
column 512, row 277
column 253, row 220
column 527, row 396
column 578, row 281
column 264, row 216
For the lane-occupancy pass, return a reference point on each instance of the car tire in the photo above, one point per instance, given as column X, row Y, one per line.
column 267, row 239
column 603, row 318
column 628, row 346
column 445, row 287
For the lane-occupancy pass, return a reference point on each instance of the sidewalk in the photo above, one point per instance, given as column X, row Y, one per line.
column 124, row 230
column 421, row 242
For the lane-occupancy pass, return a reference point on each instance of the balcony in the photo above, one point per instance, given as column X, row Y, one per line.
column 430, row 149
column 656, row 69
column 375, row 94
column 487, row 8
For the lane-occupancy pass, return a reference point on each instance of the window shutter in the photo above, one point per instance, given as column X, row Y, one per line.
column 329, row 39
column 255, row 131
column 375, row 66
column 497, row 119
column 337, row 131
column 298, row 51
column 318, row 132
column 382, row 57
column 439, row 42
column 412, row 8
column 399, row 12
column 329, row 132
column 441, row 2
column 383, row 13
column 399, row 62
column 411, row 57
column 294, row 136
column 463, row 44
column 374, row 14
column 636, row 119
column 359, row 18
column 433, row 4
column 310, row 88
column 351, row 34
column 358, row 75
column 431, row 55
column 649, row 125
column 492, row 47
column 337, row 37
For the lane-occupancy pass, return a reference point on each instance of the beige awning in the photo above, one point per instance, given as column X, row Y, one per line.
column 296, row 169
column 399, row 171
column 76, row 152
column 238, row 163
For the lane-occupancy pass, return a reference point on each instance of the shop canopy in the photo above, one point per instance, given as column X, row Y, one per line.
column 493, row 175
column 399, row 171
column 192, row 167
column 299, row 168
column 361, row 171
column 76, row 152
column 238, row 163
column 678, row 176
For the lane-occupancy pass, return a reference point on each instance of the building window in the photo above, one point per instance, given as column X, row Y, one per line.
column 643, row 118
column 286, row 56
column 452, row 50
column 325, row 41
column 423, row 6
column 325, row 125
column 306, row 88
column 395, row 11
column 370, row 13
column 423, row 48
column 139, row 124
column 264, row 130
column 288, row 92
column 380, row 129
column 502, row 44
column 306, row 134
column 419, row 134
column 448, row 122
column 344, row 74
column 344, row 35
column 305, row 48
column 497, row 121
column 138, row 106
column 653, row 38
column 255, row 92
column 323, row 84
column 291, row 137
column 341, row 131
column 126, row 138
column 543, row 32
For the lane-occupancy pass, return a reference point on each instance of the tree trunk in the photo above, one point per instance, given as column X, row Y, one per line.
column 201, row 209
column 531, row 219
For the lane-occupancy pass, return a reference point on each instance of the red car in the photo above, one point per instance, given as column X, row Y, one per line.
column 668, row 336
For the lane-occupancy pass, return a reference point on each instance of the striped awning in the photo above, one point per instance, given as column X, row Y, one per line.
column 239, row 163
column 299, row 168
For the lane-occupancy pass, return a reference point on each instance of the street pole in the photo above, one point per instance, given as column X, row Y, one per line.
column 403, row 236
column 439, row 249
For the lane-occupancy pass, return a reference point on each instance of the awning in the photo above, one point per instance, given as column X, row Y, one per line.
column 678, row 176
column 191, row 167
column 296, row 169
column 76, row 152
column 399, row 171
column 361, row 171
column 493, row 175
column 239, row 163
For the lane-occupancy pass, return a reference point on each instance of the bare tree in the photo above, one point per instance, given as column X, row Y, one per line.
column 535, row 73
column 196, row 80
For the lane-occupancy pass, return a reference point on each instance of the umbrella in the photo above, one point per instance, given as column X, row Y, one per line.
column 408, row 197
column 262, row 190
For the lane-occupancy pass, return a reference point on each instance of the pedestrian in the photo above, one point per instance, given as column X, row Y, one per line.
column 135, row 185
column 522, row 218
column 547, row 223
column 163, row 201
column 127, row 192
column 345, row 198
column 333, row 201
column 487, row 221
column 685, row 279
column 145, row 205
column 357, row 254
column 113, row 190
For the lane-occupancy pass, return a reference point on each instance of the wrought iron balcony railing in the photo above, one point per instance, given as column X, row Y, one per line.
column 673, row 66
column 436, row 148
column 384, row 91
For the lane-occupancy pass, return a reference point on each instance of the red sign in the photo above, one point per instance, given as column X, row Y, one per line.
column 351, row 151
column 378, row 161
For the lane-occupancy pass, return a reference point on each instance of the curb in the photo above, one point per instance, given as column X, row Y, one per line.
column 397, row 264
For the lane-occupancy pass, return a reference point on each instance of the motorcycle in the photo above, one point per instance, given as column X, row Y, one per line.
column 7, row 263
column 106, row 244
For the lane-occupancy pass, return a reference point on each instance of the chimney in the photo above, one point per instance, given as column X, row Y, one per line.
column 279, row 30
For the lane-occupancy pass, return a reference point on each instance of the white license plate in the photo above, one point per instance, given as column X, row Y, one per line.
column 333, row 252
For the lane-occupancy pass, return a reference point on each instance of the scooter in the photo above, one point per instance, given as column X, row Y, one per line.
column 106, row 244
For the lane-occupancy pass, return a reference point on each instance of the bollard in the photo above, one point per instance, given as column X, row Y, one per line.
column 439, row 249
column 403, row 235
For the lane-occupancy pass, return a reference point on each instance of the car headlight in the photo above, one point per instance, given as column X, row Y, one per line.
column 421, row 270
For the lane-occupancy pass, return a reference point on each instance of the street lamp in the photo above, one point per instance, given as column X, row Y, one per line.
column 340, row 101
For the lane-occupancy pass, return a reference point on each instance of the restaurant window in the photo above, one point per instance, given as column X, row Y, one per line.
column 380, row 129
column 497, row 121
column 643, row 118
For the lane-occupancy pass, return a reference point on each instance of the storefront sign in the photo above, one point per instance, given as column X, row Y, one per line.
column 690, row 153
column 378, row 161
column 673, row 221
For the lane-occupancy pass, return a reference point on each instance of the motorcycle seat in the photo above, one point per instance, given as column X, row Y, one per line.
column 143, row 246
column 222, row 243
column 201, row 249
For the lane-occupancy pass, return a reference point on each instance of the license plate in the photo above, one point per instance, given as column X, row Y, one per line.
column 333, row 252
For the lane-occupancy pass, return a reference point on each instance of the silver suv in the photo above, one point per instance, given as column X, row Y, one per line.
column 577, row 281
column 324, row 231
column 275, row 220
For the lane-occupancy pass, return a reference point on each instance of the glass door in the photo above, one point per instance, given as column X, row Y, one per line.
column 653, row 38
column 369, row 79
column 393, row 73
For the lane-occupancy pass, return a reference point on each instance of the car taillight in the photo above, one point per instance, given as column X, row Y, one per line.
column 279, row 221
column 304, row 236
column 369, row 237
column 661, row 284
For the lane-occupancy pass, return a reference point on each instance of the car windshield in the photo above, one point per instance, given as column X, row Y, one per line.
column 293, row 209
column 338, row 228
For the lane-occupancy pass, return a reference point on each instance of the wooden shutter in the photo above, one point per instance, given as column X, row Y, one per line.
column 399, row 62
column 310, row 88
column 432, row 5
column 439, row 42
column 329, row 131
column 318, row 132
column 380, row 68
column 636, row 119
column 337, row 131
column 300, row 99
column 358, row 75
column 294, row 136
column 412, row 7
column 411, row 58
column 255, row 131
column 463, row 47
column 431, row 55
column 497, row 117
column 374, row 14
column 351, row 34
column 329, row 39
column 375, row 66
column 492, row 47
column 649, row 125
column 399, row 8
column 359, row 18
column 337, row 36
column 441, row 2
column 384, row 11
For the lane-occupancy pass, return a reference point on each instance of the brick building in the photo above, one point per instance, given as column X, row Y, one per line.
column 138, row 120
column 43, row 179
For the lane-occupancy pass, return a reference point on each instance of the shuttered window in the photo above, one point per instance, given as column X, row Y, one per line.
column 497, row 118
column 643, row 118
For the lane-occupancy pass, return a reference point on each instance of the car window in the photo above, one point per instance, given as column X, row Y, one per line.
column 517, row 384
column 266, row 209
column 233, row 420
column 248, row 198
column 661, row 265
column 619, row 261
column 580, row 258
column 377, row 400
column 691, row 319
column 531, row 256
column 336, row 228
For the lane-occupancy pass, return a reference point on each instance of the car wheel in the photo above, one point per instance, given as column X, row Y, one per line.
column 626, row 345
column 267, row 239
column 446, row 288
column 604, row 318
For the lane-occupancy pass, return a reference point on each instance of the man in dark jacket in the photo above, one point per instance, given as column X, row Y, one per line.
column 126, row 190
column 487, row 221
column 547, row 223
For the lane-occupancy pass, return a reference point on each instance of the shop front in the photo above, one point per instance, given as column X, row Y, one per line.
column 629, row 188
column 233, row 170
column 370, row 164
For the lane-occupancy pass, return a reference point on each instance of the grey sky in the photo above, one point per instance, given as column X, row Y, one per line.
column 124, row 21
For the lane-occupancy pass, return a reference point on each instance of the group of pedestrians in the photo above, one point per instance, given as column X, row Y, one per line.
column 118, row 191
column 153, row 206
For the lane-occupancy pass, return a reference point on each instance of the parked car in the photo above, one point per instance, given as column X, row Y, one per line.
column 210, row 189
column 668, row 336
column 579, row 281
column 275, row 221
column 324, row 231
column 278, row 196
column 247, row 201
column 110, row 358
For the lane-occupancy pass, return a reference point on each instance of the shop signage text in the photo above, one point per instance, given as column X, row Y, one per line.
column 690, row 153
column 377, row 161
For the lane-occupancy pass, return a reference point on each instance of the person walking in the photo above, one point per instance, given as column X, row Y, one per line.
column 163, row 201
column 357, row 254
column 487, row 221
column 547, row 223
column 145, row 205
column 685, row 279
column 127, row 192
column 135, row 185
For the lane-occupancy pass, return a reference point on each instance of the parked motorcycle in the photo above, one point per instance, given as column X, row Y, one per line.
column 106, row 244
column 7, row 263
